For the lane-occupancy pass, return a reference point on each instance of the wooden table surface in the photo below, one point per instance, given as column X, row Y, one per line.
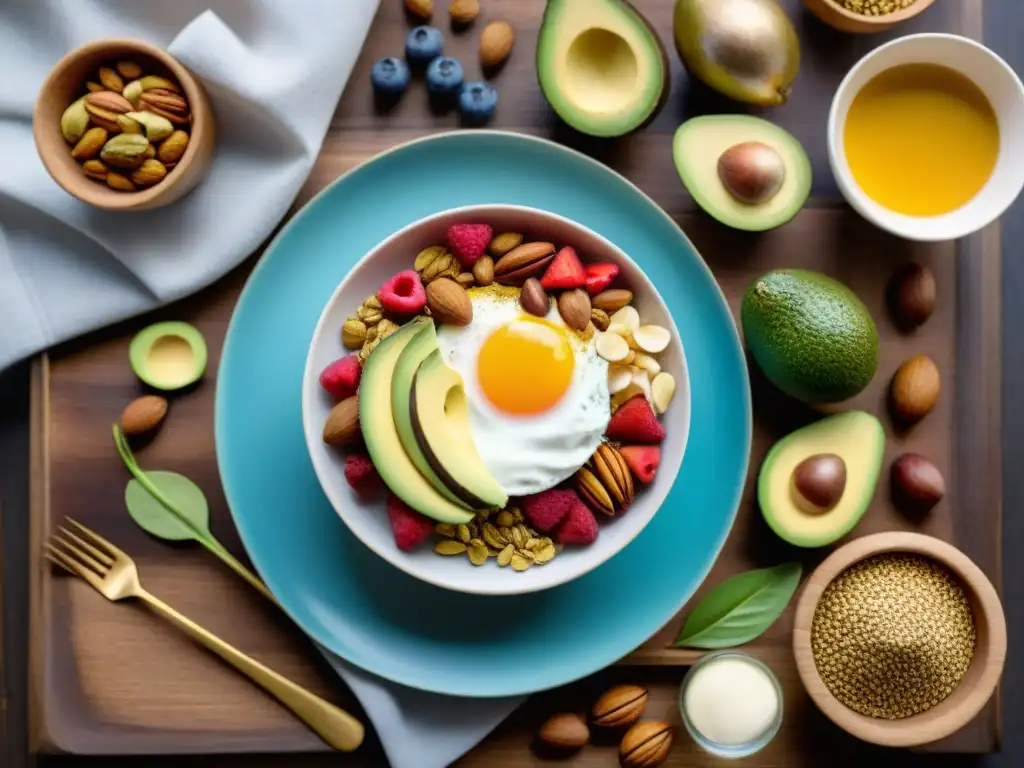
column 358, row 132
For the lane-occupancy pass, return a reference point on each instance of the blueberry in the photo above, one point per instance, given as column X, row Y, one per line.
column 390, row 77
column 477, row 102
column 423, row 45
column 444, row 76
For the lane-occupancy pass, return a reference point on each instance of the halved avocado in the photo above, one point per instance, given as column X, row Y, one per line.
column 722, row 158
column 858, row 440
column 415, row 352
column 440, row 421
column 376, row 419
column 168, row 356
column 601, row 66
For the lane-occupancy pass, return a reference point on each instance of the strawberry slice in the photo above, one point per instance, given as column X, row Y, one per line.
column 600, row 275
column 643, row 460
column 635, row 422
column 565, row 271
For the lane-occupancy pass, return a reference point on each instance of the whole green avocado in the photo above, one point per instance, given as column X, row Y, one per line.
column 810, row 334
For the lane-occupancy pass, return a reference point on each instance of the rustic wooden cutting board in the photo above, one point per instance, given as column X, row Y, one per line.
column 112, row 679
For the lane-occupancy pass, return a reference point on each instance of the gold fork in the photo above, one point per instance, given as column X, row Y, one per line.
column 113, row 574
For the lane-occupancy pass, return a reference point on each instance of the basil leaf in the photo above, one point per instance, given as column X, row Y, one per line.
column 188, row 516
column 741, row 608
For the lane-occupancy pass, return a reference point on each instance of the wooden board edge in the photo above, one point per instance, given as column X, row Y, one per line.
column 39, row 736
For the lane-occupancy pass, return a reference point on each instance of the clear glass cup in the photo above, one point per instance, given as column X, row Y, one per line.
column 731, row 750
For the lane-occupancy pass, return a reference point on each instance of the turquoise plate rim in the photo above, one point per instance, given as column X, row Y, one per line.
column 300, row 614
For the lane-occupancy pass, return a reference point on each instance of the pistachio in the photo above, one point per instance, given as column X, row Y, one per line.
column 128, row 125
column 483, row 271
column 119, row 182
column 111, row 80
column 95, row 169
column 126, row 150
column 128, row 70
column 90, row 144
column 92, row 87
column 428, row 256
column 153, row 82
column 438, row 267
column 620, row 706
column 149, row 173
column 156, row 127
column 503, row 243
column 353, row 333
column 133, row 92
column 74, row 121
column 449, row 547
column 172, row 148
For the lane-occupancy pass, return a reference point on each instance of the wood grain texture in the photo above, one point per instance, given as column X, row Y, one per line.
column 112, row 679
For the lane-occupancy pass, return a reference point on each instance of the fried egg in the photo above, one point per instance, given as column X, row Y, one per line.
column 537, row 391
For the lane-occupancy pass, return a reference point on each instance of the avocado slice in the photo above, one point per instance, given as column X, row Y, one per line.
column 415, row 352
column 858, row 439
column 440, row 420
column 811, row 335
column 601, row 66
column 703, row 145
column 168, row 356
column 376, row 419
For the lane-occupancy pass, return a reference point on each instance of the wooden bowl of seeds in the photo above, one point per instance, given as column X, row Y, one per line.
column 122, row 125
column 899, row 638
column 866, row 16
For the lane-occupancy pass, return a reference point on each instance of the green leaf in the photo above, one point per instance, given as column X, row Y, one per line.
column 741, row 608
column 190, row 518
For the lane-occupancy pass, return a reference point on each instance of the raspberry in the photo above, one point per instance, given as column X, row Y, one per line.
column 643, row 460
column 579, row 526
column 545, row 510
column 408, row 526
column 403, row 294
column 635, row 422
column 468, row 242
column 341, row 378
column 361, row 474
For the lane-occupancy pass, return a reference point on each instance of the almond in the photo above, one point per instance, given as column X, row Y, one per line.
column 574, row 307
column 421, row 10
column 526, row 260
column 503, row 243
column 343, row 422
column 449, row 302
column 90, row 144
column 612, row 300
column 464, row 12
column 172, row 148
column 483, row 271
column 496, row 42
column 564, row 732
column 915, row 389
column 110, row 79
column 143, row 415
column 110, row 101
column 534, row 299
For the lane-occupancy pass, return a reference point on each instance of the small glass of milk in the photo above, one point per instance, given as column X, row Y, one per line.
column 731, row 703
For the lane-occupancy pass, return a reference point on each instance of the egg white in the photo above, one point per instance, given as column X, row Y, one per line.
column 528, row 454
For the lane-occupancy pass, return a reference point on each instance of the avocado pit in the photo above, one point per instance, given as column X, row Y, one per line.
column 752, row 172
column 819, row 482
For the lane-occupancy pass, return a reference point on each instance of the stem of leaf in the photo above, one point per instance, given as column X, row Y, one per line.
column 218, row 549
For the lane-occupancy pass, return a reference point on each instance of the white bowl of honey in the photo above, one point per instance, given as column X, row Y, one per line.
column 926, row 137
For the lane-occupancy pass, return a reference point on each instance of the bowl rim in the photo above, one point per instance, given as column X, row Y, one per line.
column 201, row 124
column 884, row 21
column 849, row 188
column 987, row 609
column 394, row 557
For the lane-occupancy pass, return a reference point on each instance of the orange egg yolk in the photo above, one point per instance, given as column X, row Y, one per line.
column 525, row 367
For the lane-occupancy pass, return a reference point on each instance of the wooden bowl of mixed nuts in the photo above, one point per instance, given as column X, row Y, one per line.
column 865, row 16
column 120, row 124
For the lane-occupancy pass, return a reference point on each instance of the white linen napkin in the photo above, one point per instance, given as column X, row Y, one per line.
column 66, row 269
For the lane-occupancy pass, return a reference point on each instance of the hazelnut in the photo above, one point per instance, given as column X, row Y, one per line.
column 911, row 295
column 563, row 733
column 917, row 484
column 915, row 389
